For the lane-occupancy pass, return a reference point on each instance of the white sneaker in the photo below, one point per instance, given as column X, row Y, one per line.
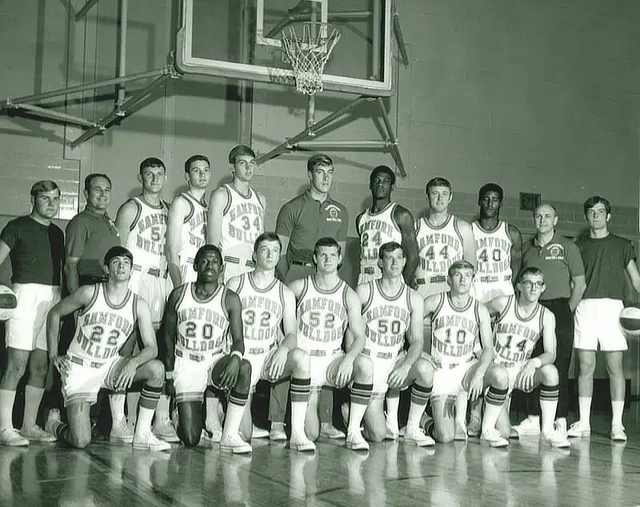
column 618, row 434
column 259, row 432
column 393, row 432
column 121, row 432
column 277, row 433
column 556, row 439
column 11, row 437
column 493, row 438
column 328, row 430
column 561, row 426
column 356, row 442
column 418, row 437
column 529, row 427
column 234, row 444
column 149, row 442
column 460, row 432
column 579, row 430
column 37, row 434
column 301, row 443
column 164, row 430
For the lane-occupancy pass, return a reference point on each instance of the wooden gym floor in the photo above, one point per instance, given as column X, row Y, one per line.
column 594, row 472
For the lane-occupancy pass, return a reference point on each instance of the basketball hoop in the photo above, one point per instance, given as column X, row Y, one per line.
column 308, row 53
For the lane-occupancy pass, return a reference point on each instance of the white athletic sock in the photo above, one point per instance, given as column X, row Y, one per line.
column 133, row 400
column 212, row 421
column 298, row 414
column 116, row 402
column 617, row 408
column 584, row 409
column 143, row 424
column 356, row 413
column 393, row 405
column 462, row 401
column 233, row 420
column 415, row 413
column 548, row 413
column 7, row 398
column 32, row 399
column 162, row 412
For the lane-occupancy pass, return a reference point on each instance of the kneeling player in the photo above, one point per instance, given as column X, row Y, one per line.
column 457, row 320
column 267, row 303
column 196, row 321
column 326, row 306
column 107, row 317
column 392, row 311
column 520, row 324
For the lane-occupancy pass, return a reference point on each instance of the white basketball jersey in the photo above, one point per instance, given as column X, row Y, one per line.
column 386, row 319
column 202, row 326
column 374, row 230
column 438, row 248
column 322, row 318
column 515, row 336
column 262, row 311
column 146, row 240
column 242, row 223
column 103, row 327
column 455, row 332
column 493, row 256
column 194, row 229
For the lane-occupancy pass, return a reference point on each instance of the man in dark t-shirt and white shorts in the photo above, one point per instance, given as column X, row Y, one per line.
column 606, row 258
column 36, row 249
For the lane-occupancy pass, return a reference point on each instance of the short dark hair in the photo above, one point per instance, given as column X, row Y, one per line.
column 318, row 159
column 438, row 181
column 389, row 247
column 117, row 251
column 43, row 186
column 93, row 176
column 458, row 265
column 491, row 187
column 593, row 200
column 151, row 162
column 195, row 158
column 326, row 242
column 266, row 236
column 208, row 248
column 242, row 150
column 382, row 169
column 531, row 270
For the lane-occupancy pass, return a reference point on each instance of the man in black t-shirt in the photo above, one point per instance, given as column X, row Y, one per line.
column 606, row 259
column 36, row 248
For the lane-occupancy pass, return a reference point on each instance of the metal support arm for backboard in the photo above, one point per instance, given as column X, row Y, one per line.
column 303, row 139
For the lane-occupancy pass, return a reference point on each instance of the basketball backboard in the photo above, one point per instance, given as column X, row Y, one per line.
column 242, row 39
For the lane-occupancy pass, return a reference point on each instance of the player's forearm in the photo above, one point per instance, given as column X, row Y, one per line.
column 174, row 273
column 577, row 292
column 72, row 276
column 546, row 358
column 290, row 342
column 237, row 345
column 410, row 269
column 53, row 333
column 486, row 360
column 356, row 345
column 147, row 353
column 413, row 352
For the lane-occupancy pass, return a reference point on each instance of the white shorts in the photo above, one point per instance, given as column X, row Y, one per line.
column 323, row 367
column 486, row 291
column 233, row 266
column 368, row 276
column 153, row 288
column 85, row 378
column 381, row 369
column 432, row 285
column 597, row 322
column 515, row 379
column 259, row 365
column 447, row 382
column 192, row 375
column 27, row 327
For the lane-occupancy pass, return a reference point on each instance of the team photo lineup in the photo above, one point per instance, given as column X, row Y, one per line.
column 176, row 311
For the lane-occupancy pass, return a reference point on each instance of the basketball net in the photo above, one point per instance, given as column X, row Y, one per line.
column 309, row 52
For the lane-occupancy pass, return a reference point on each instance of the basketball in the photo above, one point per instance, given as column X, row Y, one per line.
column 8, row 302
column 630, row 320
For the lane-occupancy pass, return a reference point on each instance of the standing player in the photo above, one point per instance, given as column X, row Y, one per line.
column 606, row 258
column 326, row 306
column 384, row 222
column 236, row 214
column 142, row 224
column 393, row 314
column 457, row 320
column 187, row 226
column 498, row 247
column 108, row 314
column 198, row 316
column 521, row 322
column 266, row 305
column 36, row 248
column 442, row 240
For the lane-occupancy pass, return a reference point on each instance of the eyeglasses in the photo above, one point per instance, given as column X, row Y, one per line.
column 530, row 285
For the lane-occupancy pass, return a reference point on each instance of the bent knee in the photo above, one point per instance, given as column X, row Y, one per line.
column 363, row 366
column 300, row 359
column 498, row 377
column 156, row 372
column 549, row 375
column 245, row 369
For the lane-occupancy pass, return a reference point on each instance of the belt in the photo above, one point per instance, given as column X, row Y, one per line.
column 157, row 272
column 368, row 270
column 379, row 355
column 242, row 262
column 432, row 279
column 495, row 278
column 301, row 263
column 85, row 362
column 322, row 352
column 194, row 356
column 257, row 351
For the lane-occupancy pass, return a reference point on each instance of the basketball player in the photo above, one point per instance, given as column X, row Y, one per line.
column 36, row 248
column 266, row 305
column 457, row 321
column 108, row 314
column 606, row 259
column 384, row 222
column 142, row 224
column 498, row 247
column 521, row 322
column 187, row 224
column 326, row 306
column 198, row 316
column 442, row 239
column 236, row 214
column 393, row 313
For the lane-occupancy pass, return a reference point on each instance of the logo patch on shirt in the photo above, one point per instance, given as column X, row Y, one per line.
column 555, row 252
column 334, row 213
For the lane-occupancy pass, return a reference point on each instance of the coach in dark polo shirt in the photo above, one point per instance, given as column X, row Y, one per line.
column 561, row 263
column 308, row 217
